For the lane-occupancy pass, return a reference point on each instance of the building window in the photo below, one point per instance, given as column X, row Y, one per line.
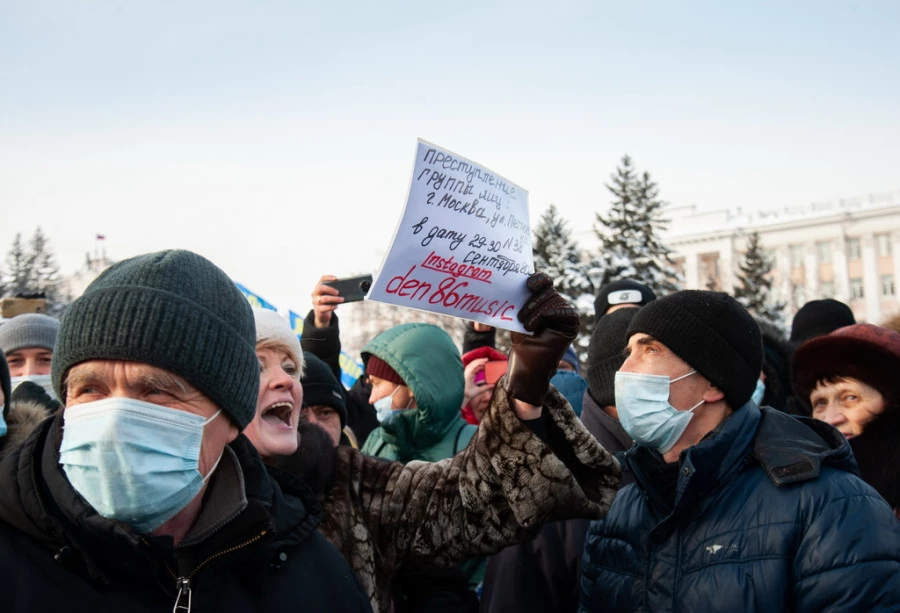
column 823, row 252
column 796, row 255
column 883, row 241
column 826, row 289
column 856, row 289
column 853, row 250
column 798, row 293
column 887, row 286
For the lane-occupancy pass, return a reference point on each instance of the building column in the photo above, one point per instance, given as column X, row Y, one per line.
column 841, row 276
column 811, row 271
column 691, row 271
column 871, row 286
column 727, row 265
column 895, row 256
column 783, row 266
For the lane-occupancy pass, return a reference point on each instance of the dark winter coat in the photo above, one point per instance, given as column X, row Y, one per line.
column 544, row 574
column 877, row 452
column 325, row 344
column 57, row 554
column 769, row 515
column 386, row 515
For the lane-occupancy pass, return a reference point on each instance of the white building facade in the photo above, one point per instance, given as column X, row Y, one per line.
column 847, row 249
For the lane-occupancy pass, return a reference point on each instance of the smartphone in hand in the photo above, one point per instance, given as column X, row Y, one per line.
column 352, row 289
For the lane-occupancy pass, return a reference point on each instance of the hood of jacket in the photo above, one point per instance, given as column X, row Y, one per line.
column 790, row 449
column 24, row 418
column 429, row 363
column 38, row 500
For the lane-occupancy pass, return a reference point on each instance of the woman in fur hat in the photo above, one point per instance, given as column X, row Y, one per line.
column 849, row 379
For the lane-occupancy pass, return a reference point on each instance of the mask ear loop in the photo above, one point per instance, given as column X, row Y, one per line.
column 216, row 465
column 682, row 377
column 690, row 410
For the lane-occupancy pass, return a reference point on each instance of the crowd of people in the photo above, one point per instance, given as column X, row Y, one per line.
column 167, row 447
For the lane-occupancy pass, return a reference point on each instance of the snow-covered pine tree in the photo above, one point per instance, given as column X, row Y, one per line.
column 630, row 247
column 19, row 277
column 33, row 270
column 557, row 254
column 46, row 273
column 755, row 284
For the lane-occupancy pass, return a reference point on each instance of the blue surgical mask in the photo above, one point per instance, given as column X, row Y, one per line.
column 642, row 402
column 133, row 461
column 759, row 392
column 384, row 407
column 42, row 380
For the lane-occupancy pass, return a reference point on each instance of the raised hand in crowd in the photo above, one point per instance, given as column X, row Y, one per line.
column 325, row 300
column 533, row 359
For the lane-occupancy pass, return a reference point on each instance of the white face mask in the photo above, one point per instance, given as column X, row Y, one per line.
column 42, row 380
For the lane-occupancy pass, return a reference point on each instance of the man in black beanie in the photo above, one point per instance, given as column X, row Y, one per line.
column 733, row 507
column 324, row 400
column 818, row 318
column 141, row 494
column 604, row 357
column 621, row 294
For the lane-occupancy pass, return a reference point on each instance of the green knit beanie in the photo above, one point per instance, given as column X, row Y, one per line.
column 174, row 310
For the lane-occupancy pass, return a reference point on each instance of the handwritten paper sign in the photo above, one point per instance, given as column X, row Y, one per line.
column 463, row 244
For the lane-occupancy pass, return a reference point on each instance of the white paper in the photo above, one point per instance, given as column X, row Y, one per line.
column 463, row 244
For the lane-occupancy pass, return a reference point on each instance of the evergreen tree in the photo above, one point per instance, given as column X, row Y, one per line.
column 557, row 254
column 630, row 247
column 33, row 270
column 19, row 277
column 45, row 269
column 755, row 284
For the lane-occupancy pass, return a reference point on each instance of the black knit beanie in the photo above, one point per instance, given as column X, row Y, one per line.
column 605, row 354
column 174, row 310
column 713, row 333
column 321, row 388
column 623, row 291
column 818, row 318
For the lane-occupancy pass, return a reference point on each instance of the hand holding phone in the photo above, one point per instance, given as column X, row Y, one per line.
column 352, row 289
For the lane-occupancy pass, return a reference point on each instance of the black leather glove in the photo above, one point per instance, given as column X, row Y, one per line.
column 32, row 393
column 533, row 359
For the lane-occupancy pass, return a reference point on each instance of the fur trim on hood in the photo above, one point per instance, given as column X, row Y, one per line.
column 24, row 418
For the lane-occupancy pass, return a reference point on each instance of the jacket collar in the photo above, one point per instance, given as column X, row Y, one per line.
column 716, row 459
column 612, row 425
column 40, row 501
column 792, row 449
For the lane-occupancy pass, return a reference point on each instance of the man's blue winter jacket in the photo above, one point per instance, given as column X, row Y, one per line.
column 769, row 515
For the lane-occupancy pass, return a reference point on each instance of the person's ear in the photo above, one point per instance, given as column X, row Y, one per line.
column 713, row 394
column 232, row 432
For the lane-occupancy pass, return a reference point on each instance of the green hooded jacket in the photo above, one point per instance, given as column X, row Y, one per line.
column 429, row 363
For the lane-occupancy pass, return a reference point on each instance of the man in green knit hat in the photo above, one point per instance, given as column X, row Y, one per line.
column 142, row 494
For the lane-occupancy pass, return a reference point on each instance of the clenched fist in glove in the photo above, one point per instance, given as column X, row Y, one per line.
column 533, row 359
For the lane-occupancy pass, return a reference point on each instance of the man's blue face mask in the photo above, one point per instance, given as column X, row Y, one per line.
column 133, row 461
column 642, row 402
column 759, row 392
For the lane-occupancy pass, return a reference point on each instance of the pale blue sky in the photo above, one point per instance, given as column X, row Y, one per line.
column 277, row 137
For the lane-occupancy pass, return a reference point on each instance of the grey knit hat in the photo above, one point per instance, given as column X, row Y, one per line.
column 174, row 310
column 28, row 330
